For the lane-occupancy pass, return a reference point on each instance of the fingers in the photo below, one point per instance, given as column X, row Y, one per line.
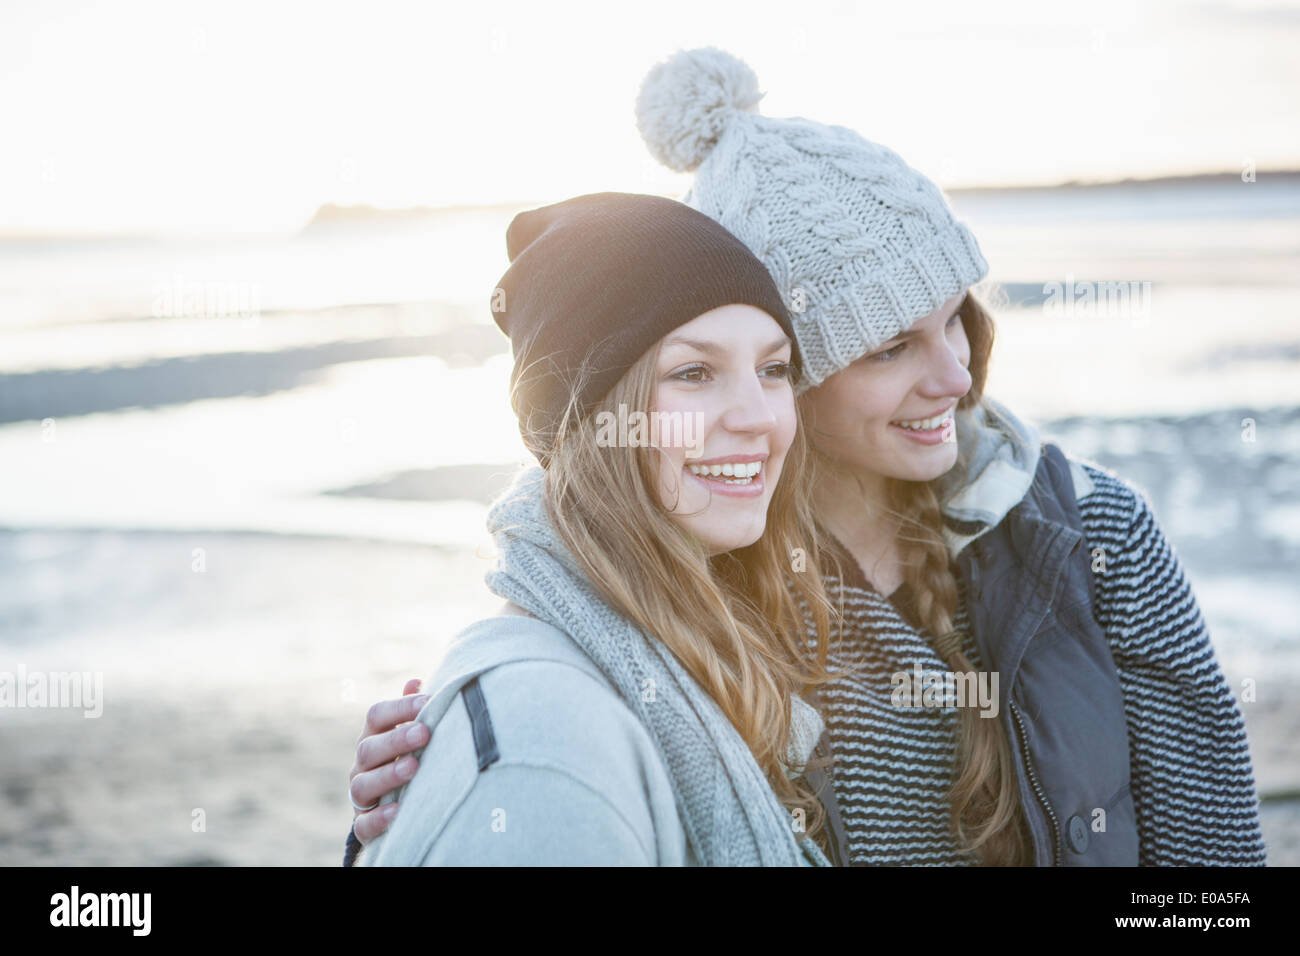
column 388, row 735
column 369, row 825
column 367, row 787
column 384, row 748
column 387, row 714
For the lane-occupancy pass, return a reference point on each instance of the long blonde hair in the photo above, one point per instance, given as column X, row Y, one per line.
column 739, row 622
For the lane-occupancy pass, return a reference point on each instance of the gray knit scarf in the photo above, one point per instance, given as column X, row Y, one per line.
column 729, row 812
column 1000, row 453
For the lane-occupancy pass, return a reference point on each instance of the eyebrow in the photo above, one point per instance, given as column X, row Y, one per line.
column 914, row 332
column 712, row 348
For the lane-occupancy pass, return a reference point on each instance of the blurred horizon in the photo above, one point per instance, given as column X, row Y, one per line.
column 334, row 214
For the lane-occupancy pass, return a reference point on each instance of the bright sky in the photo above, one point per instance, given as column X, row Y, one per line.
column 246, row 116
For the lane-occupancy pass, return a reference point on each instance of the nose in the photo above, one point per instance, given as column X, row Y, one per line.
column 748, row 407
column 946, row 374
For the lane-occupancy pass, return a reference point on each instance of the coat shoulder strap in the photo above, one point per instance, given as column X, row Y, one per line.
column 1063, row 478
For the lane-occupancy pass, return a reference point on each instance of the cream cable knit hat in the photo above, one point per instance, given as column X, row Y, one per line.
column 860, row 244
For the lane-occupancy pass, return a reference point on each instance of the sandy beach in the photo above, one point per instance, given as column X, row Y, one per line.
column 239, row 693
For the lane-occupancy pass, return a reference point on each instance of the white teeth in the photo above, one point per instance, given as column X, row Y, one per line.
column 925, row 424
column 739, row 473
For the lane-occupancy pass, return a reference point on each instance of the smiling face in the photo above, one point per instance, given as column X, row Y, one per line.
column 889, row 414
column 727, row 371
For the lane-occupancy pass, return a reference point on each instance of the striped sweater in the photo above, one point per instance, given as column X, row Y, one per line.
column 1192, row 784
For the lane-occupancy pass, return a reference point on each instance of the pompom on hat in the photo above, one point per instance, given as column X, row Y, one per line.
column 860, row 244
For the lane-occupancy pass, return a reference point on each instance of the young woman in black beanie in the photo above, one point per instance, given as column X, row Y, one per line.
column 637, row 700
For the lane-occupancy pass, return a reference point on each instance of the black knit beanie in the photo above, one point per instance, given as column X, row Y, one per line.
column 595, row 281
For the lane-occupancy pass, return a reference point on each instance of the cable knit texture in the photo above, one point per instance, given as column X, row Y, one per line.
column 860, row 244
column 729, row 812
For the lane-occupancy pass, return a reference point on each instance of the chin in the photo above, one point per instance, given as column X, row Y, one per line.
column 718, row 540
column 927, row 464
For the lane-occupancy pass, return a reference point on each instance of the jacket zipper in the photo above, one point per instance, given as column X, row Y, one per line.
column 1024, row 746
column 1033, row 782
